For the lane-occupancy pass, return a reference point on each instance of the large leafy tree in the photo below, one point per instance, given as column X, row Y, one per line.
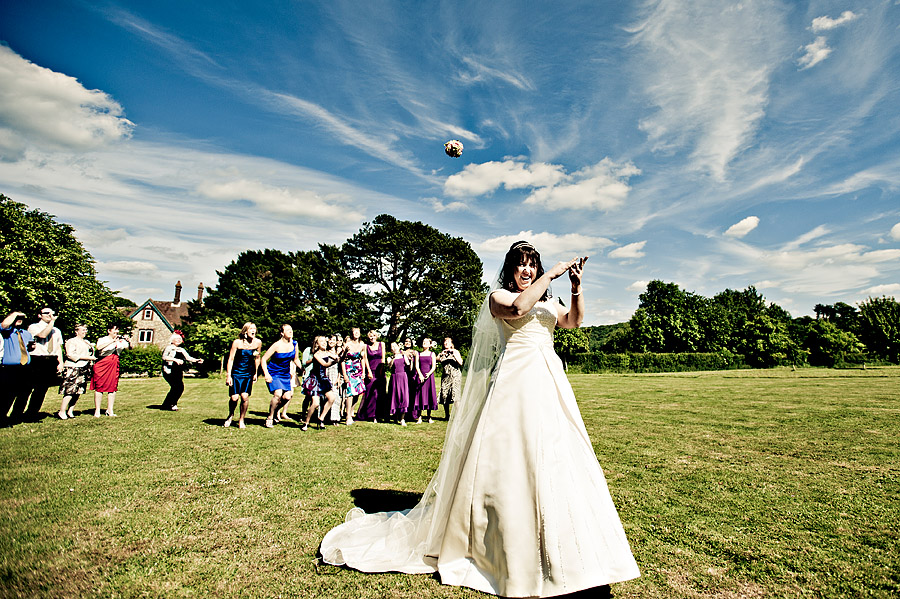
column 879, row 326
column 43, row 263
column 670, row 320
column 419, row 281
column 308, row 290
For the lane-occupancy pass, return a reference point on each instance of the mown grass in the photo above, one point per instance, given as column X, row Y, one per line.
column 732, row 484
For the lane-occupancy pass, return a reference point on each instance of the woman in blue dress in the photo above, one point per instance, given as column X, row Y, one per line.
column 243, row 364
column 276, row 366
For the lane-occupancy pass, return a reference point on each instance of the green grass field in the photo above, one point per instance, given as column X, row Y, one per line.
column 730, row 484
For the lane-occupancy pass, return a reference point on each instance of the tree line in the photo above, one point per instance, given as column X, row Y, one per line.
column 670, row 320
column 411, row 280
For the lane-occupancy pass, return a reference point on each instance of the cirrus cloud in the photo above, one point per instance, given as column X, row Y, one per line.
column 281, row 200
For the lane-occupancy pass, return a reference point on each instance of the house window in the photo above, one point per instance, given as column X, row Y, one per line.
column 145, row 336
column 148, row 314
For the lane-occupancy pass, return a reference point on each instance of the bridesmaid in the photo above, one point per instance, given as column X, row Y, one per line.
column 412, row 380
column 106, row 369
column 241, row 372
column 278, row 377
column 426, row 398
column 375, row 404
column 451, row 379
column 320, row 385
column 399, row 388
column 334, row 375
column 354, row 369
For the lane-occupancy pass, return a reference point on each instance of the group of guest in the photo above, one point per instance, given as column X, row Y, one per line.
column 336, row 376
column 34, row 359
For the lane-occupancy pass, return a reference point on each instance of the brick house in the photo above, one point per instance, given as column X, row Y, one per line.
column 155, row 320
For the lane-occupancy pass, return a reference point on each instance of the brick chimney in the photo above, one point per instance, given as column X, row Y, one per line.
column 177, row 294
column 200, row 293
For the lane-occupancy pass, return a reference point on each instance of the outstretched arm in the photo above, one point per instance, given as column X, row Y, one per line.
column 508, row 305
column 571, row 318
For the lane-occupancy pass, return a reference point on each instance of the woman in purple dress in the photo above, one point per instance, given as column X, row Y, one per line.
column 399, row 388
column 412, row 380
column 374, row 405
column 426, row 398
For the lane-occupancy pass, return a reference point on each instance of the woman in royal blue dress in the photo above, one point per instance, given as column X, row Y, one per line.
column 240, row 374
column 276, row 366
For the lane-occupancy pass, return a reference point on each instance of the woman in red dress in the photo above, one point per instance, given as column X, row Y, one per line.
column 106, row 369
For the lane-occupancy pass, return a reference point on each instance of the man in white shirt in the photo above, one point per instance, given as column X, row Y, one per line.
column 46, row 362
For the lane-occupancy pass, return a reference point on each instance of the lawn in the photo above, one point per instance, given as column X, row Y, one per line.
column 729, row 484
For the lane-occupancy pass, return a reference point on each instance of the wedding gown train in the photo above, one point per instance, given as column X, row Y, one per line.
column 520, row 506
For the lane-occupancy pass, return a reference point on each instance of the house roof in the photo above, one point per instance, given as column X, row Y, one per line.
column 170, row 314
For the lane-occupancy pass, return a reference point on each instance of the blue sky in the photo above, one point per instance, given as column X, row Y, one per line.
column 712, row 144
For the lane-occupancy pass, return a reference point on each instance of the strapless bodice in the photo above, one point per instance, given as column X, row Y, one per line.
column 536, row 326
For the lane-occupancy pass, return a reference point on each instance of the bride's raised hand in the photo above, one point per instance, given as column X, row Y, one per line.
column 576, row 270
column 560, row 267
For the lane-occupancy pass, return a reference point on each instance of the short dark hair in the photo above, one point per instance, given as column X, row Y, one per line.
column 521, row 252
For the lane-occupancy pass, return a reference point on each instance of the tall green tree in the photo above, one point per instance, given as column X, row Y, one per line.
column 418, row 280
column 879, row 326
column 43, row 263
column 308, row 290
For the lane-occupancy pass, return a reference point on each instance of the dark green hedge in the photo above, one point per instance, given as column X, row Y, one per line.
column 594, row 362
column 141, row 360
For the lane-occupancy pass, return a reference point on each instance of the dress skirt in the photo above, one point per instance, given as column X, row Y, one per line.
column 106, row 374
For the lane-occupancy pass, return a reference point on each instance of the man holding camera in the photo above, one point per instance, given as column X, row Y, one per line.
column 14, row 383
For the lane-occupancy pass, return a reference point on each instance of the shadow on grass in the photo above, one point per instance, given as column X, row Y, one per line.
column 384, row 500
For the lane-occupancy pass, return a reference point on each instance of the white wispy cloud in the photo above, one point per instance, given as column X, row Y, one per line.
column 487, row 177
column 826, row 23
column 814, row 53
column 602, row 186
column 819, row 231
column 43, row 109
column 549, row 244
column 629, row 252
column 129, row 267
column 375, row 139
column 281, row 200
column 707, row 70
column 478, row 72
column 187, row 54
column 825, row 271
column 888, row 289
column 742, row 228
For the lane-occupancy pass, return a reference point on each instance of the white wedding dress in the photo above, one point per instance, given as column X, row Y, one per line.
column 519, row 505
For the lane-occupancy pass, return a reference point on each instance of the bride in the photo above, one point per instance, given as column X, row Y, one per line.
column 518, row 506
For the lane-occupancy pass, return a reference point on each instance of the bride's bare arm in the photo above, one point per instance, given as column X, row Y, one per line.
column 571, row 318
column 508, row 305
